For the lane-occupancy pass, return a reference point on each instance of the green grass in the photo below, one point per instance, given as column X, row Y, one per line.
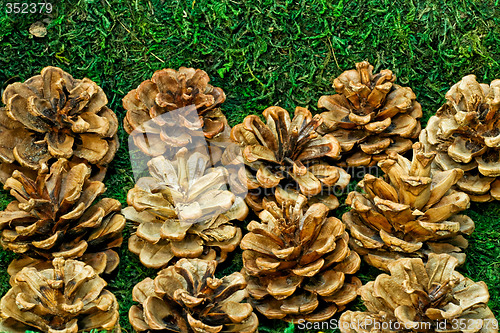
column 262, row 53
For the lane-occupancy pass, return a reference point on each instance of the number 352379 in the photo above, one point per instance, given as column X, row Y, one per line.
column 26, row 8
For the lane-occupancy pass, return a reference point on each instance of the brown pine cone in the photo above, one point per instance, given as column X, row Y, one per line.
column 410, row 212
column 422, row 298
column 288, row 153
column 186, row 90
column 183, row 210
column 53, row 216
column 297, row 261
column 188, row 298
column 53, row 115
column 465, row 132
column 68, row 297
column 370, row 115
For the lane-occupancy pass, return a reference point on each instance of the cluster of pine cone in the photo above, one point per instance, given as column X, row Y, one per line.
column 202, row 178
column 57, row 138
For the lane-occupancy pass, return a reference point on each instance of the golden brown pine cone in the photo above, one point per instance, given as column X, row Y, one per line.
column 370, row 115
column 465, row 132
column 297, row 261
column 422, row 298
column 53, row 115
column 188, row 298
column 408, row 213
column 183, row 210
column 186, row 89
column 52, row 217
column 289, row 154
column 68, row 297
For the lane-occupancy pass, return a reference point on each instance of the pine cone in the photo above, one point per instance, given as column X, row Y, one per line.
column 52, row 116
column 297, row 261
column 370, row 115
column 465, row 132
column 188, row 298
column 183, row 210
column 422, row 298
column 288, row 153
column 169, row 90
column 53, row 217
column 409, row 213
column 68, row 297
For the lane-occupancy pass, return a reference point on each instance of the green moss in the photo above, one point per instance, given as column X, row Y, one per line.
column 262, row 53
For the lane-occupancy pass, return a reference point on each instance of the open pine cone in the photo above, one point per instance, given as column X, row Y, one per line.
column 422, row 298
column 370, row 115
column 465, row 132
column 188, row 298
column 53, row 115
column 297, row 261
column 409, row 213
column 186, row 89
column 183, row 210
column 53, row 217
column 289, row 154
column 68, row 297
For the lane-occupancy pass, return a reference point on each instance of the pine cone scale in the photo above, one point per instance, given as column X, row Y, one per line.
column 326, row 284
column 15, row 107
column 262, row 133
column 303, row 303
column 346, row 294
column 31, row 153
column 190, row 247
column 325, row 242
column 341, row 252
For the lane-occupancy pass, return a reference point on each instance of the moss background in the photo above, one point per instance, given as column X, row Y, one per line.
column 262, row 53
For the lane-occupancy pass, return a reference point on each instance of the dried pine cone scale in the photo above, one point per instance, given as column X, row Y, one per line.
column 418, row 297
column 284, row 152
column 53, row 216
column 297, row 261
column 370, row 116
column 69, row 297
column 465, row 133
column 54, row 115
column 183, row 210
column 186, row 297
column 410, row 213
